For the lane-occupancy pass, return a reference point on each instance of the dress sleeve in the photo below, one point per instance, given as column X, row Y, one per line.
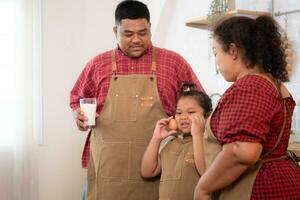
column 245, row 116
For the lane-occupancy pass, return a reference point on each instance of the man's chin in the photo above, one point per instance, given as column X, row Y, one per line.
column 135, row 54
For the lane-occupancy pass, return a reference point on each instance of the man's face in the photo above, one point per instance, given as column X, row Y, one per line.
column 134, row 36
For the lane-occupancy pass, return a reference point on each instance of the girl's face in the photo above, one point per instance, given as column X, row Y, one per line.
column 186, row 107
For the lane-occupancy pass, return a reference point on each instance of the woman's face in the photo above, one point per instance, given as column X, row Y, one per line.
column 226, row 61
column 186, row 107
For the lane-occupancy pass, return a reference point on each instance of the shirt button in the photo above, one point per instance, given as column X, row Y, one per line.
column 132, row 67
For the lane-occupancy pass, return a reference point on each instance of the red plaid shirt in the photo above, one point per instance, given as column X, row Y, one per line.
column 172, row 70
column 251, row 110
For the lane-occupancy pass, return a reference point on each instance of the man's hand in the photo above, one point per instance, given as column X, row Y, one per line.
column 81, row 119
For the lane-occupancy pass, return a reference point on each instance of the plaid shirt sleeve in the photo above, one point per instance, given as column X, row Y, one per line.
column 84, row 86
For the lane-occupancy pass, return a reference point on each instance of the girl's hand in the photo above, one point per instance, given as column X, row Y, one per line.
column 160, row 131
column 198, row 125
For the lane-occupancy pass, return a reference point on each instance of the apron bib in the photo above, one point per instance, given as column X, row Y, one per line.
column 178, row 178
column 121, row 135
column 240, row 189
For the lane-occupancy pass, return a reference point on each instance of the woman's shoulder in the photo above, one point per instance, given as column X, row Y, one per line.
column 257, row 84
column 251, row 87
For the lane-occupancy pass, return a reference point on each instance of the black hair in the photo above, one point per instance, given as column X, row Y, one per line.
column 188, row 89
column 259, row 40
column 131, row 9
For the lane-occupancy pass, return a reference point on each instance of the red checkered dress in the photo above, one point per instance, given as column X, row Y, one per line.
column 251, row 110
column 172, row 71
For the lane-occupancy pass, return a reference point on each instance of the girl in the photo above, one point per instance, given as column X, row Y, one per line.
column 181, row 160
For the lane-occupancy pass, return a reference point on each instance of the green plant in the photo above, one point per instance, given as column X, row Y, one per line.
column 216, row 11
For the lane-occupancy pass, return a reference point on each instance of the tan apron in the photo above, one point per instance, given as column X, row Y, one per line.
column 179, row 178
column 121, row 135
column 241, row 189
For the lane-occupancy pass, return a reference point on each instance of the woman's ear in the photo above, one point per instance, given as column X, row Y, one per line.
column 233, row 51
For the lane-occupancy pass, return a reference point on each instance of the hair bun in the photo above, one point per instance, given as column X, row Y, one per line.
column 188, row 87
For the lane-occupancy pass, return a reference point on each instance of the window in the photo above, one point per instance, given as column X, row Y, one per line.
column 8, row 83
column 20, row 69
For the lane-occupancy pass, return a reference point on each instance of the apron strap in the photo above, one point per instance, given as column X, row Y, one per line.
column 280, row 134
column 276, row 84
column 153, row 63
column 114, row 62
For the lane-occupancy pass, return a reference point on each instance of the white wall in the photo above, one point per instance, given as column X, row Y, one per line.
column 75, row 31
column 193, row 44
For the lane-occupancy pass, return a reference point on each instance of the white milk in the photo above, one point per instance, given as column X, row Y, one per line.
column 89, row 110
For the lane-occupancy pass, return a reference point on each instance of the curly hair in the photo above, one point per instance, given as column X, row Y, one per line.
column 259, row 40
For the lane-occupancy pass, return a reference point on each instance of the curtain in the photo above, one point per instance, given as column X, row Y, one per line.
column 20, row 102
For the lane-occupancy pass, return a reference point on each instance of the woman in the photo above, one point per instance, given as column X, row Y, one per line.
column 249, row 129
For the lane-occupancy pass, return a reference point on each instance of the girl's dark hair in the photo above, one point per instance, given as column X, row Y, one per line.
column 188, row 89
column 130, row 9
column 259, row 40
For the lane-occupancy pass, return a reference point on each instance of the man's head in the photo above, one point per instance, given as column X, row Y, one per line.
column 132, row 28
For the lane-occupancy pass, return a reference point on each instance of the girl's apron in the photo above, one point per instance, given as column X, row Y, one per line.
column 241, row 189
column 121, row 135
column 179, row 177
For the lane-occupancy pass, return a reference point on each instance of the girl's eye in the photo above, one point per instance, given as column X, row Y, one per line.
column 178, row 113
column 191, row 112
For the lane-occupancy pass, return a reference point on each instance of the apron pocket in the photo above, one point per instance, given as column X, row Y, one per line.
column 172, row 164
column 114, row 160
column 125, row 108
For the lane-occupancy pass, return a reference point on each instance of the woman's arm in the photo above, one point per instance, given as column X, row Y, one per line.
column 230, row 163
column 150, row 166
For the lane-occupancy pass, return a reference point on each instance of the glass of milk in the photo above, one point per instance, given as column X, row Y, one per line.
column 88, row 106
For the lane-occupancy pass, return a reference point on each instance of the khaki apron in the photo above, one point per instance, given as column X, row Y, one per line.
column 179, row 178
column 121, row 135
column 241, row 189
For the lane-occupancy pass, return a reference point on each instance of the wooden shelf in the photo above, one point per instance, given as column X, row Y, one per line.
column 202, row 22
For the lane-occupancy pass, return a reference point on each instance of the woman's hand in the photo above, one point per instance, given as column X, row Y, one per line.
column 160, row 131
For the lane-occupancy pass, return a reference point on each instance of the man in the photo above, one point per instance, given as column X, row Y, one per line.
column 135, row 85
